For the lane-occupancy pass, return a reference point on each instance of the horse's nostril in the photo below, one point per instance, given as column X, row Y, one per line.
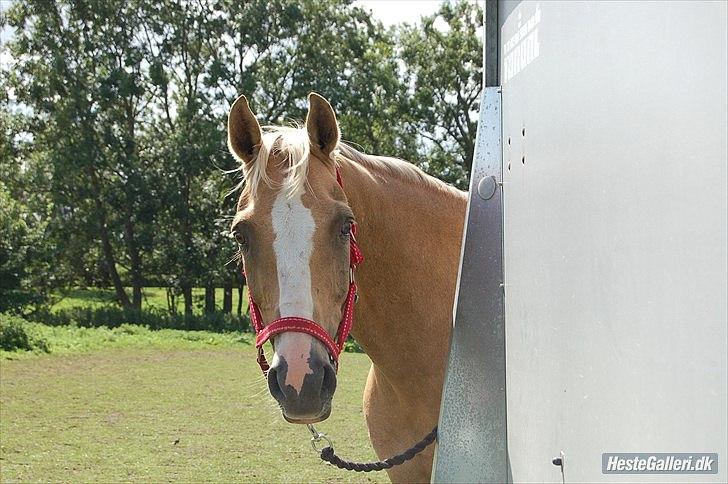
column 274, row 385
column 328, row 385
column 312, row 399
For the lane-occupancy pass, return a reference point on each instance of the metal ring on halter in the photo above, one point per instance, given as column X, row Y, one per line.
column 318, row 437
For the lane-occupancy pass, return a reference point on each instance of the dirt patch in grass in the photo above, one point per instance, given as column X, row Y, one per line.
column 129, row 414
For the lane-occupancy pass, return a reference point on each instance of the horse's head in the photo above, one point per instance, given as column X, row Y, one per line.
column 293, row 225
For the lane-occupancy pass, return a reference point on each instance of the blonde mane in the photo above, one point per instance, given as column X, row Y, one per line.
column 293, row 144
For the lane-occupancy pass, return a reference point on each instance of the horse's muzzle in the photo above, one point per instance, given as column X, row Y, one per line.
column 312, row 402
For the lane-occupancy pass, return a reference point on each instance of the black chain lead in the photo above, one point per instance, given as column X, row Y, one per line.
column 327, row 454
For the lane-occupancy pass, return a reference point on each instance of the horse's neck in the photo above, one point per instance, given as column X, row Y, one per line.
column 410, row 234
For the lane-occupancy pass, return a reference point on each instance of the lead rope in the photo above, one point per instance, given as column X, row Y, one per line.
column 327, row 453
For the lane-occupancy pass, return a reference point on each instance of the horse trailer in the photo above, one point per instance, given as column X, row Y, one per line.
column 590, row 318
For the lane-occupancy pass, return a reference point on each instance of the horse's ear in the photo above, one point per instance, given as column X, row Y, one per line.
column 244, row 134
column 323, row 130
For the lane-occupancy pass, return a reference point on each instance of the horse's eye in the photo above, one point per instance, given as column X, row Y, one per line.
column 346, row 228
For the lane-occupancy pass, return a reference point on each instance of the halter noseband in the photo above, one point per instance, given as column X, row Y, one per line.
column 303, row 325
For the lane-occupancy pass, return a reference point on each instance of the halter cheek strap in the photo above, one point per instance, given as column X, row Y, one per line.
column 302, row 325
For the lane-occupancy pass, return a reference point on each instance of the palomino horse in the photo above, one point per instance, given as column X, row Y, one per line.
column 294, row 226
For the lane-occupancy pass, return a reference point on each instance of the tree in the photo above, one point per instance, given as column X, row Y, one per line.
column 116, row 127
column 444, row 62
column 78, row 68
column 23, row 264
column 182, row 46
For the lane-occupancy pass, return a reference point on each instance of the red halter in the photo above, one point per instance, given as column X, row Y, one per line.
column 303, row 325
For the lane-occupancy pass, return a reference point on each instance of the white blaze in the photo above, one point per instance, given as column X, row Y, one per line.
column 293, row 226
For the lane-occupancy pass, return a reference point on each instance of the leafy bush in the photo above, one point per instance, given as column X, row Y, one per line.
column 125, row 321
column 14, row 336
column 113, row 317
column 17, row 301
column 352, row 346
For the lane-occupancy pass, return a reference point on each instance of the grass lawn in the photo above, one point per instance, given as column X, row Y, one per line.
column 153, row 297
column 130, row 404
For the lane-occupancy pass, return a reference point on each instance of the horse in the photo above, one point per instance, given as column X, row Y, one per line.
column 304, row 191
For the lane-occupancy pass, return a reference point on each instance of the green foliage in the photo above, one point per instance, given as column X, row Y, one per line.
column 352, row 346
column 72, row 339
column 444, row 56
column 21, row 234
column 152, row 298
column 14, row 335
column 13, row 242
column 114, row 316
column 21, row 301
column 90, row 309
column 115, row 171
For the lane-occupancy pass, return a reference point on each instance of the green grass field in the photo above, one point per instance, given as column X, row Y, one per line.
column 130, row 404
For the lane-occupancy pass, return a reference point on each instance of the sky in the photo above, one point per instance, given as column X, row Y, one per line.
column 391, row 12
column 4, row 4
